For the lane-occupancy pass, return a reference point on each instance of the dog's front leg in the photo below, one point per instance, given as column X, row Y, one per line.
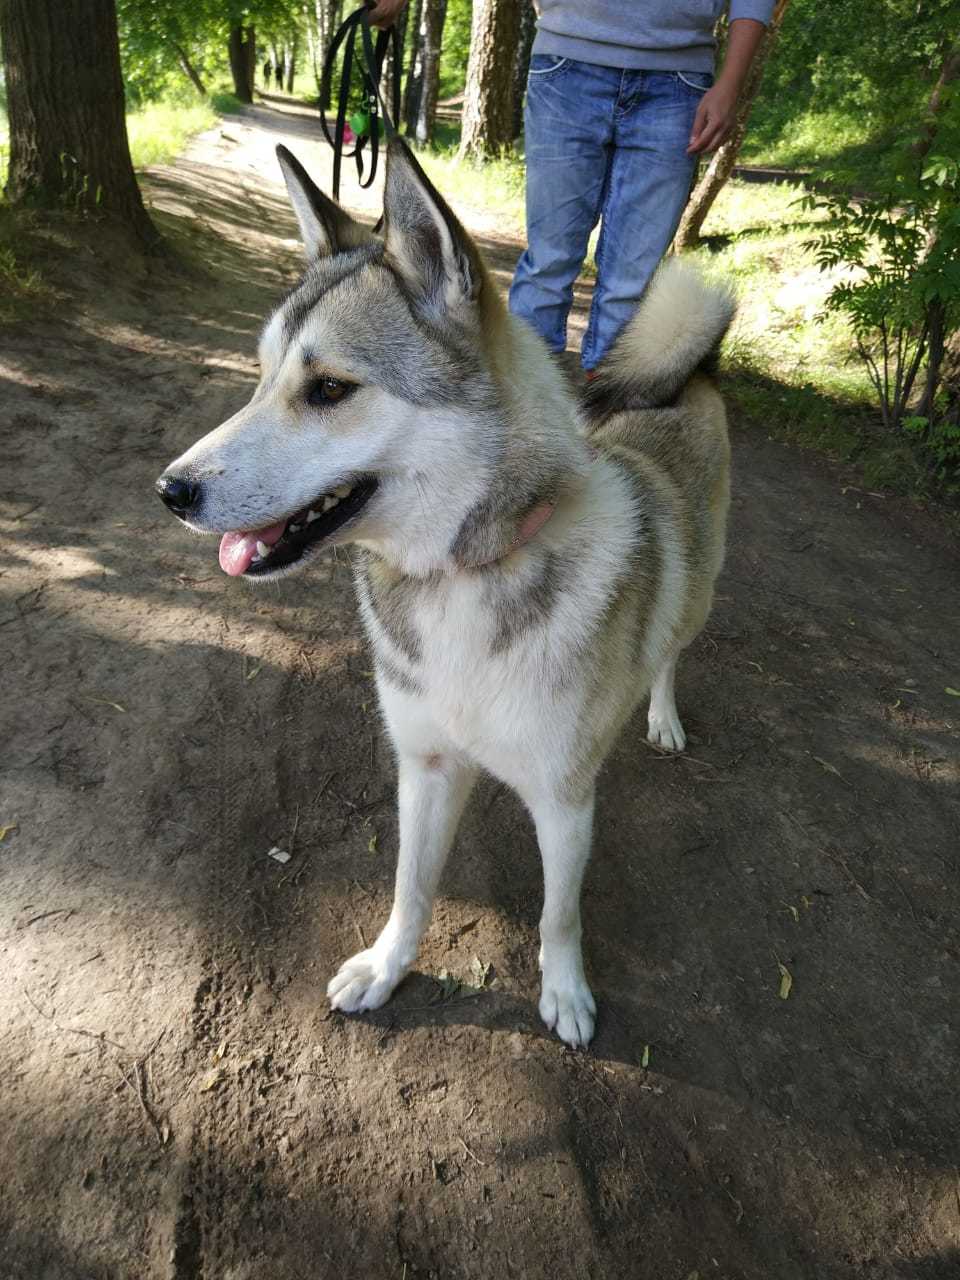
column 564, row 832
column 433, row 790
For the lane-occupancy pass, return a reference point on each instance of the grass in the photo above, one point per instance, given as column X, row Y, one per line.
column 492, row 191
column 160, row 130
column 828, row 141
column 20, row 286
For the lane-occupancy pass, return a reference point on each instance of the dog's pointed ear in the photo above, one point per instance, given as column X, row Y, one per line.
column 324, row 226
column 434, row 255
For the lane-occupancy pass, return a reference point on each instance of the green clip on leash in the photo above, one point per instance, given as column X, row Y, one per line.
column 373, row 58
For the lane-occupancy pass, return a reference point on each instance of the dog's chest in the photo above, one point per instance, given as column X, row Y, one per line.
column 467, row 651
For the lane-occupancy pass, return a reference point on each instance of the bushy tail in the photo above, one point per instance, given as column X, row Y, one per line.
column 677, row 329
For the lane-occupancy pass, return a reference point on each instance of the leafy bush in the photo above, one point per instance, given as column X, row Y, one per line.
column 899, row 251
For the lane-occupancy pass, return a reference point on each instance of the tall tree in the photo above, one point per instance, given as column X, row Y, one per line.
column 292, row 60
column 242, row 48
column 488, row 97
column 414, row 81
column 725, row 157
column 521, row 61
column 434, row 13
column 68, row 133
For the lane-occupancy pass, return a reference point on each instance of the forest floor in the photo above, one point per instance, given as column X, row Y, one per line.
column 178, row 1102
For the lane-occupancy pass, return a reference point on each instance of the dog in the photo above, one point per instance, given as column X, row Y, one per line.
column 527, row 569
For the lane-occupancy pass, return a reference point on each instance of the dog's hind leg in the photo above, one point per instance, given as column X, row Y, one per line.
column 433, row 790
column 564, row 832
column 663, row 723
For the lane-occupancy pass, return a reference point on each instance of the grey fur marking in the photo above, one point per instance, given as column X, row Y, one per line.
column 391, row 602
column 517, row 614
column 319, row 278
column 399, row 679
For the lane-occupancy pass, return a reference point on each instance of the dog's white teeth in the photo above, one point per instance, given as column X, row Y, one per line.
column 312, row 515
column 342, row 492
column 262, row 550
column 328, row 503
column 294, row 528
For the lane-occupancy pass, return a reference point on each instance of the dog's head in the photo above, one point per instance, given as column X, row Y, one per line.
column 376, row 416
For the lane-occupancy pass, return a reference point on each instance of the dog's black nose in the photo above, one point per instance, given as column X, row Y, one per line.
column 181, row 496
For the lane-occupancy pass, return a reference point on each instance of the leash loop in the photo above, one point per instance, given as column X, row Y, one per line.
column 371, row 60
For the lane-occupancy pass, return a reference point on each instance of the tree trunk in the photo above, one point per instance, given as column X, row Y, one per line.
column 189, row 70
column 488, row 98
column 411, row 90
column 241, row 46
column 327, row 15
column 943, row 352
column 434, row 16
column 68, row 132
column 521, row 62
column 292, row 62
column 949, row 72
column 725, row 157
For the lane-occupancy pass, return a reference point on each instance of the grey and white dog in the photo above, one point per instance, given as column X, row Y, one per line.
column 529, row 569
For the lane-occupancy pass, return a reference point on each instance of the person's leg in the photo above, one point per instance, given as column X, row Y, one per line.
column 650, row 176
column 568, row 129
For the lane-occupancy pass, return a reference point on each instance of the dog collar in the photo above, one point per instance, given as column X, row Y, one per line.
column 529, row 527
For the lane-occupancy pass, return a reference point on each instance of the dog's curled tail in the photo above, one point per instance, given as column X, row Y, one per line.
column 677, row 330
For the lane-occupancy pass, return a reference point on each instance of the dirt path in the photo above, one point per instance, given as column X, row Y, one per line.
column 177, row 1102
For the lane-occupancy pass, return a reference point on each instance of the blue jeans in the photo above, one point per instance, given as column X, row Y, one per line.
column 601, row 144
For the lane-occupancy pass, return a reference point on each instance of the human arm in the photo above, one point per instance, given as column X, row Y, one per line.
column 385, row 12
column 717, row 112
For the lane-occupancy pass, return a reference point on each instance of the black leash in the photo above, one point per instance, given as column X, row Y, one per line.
column 373, row 59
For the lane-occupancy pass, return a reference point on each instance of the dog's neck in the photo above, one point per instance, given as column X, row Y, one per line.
column 513, row 455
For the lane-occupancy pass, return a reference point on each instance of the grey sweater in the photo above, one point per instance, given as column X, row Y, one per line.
column 640, row 35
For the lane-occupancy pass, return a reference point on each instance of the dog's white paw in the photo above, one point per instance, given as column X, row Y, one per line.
column 365, row 981
column 665, row 730
column 568, row 1008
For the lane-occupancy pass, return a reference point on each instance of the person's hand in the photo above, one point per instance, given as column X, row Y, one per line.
column 715, row 118
column 385, row 13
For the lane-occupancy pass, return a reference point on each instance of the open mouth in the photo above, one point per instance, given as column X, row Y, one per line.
column 258, row 552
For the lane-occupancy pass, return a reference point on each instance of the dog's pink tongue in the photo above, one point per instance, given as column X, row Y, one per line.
column 238, row 549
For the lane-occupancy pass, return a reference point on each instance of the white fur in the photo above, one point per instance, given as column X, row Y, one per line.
column 511, row 710
column 675, row 323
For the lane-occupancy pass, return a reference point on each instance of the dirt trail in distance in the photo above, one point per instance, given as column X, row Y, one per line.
column 177, row 1101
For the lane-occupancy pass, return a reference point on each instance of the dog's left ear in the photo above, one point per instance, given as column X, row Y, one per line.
column 434, row 255
column 324, row 226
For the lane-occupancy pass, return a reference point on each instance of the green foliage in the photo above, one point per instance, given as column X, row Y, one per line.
column 842, row 81
column 159, row 131
column 456, row 47
column 226, row 103
column 939, row 442
column 897, row 255
column 151, row 33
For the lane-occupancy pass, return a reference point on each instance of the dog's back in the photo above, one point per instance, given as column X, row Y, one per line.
column 655, row 410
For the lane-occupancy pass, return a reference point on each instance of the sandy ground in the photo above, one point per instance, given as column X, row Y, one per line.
column 177, row 1101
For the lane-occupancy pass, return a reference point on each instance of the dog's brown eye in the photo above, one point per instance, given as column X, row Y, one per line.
column 328, row 390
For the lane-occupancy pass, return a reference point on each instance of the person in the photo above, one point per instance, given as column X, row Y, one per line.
column 621, row 100
column 278, row 72
column 267, row 68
